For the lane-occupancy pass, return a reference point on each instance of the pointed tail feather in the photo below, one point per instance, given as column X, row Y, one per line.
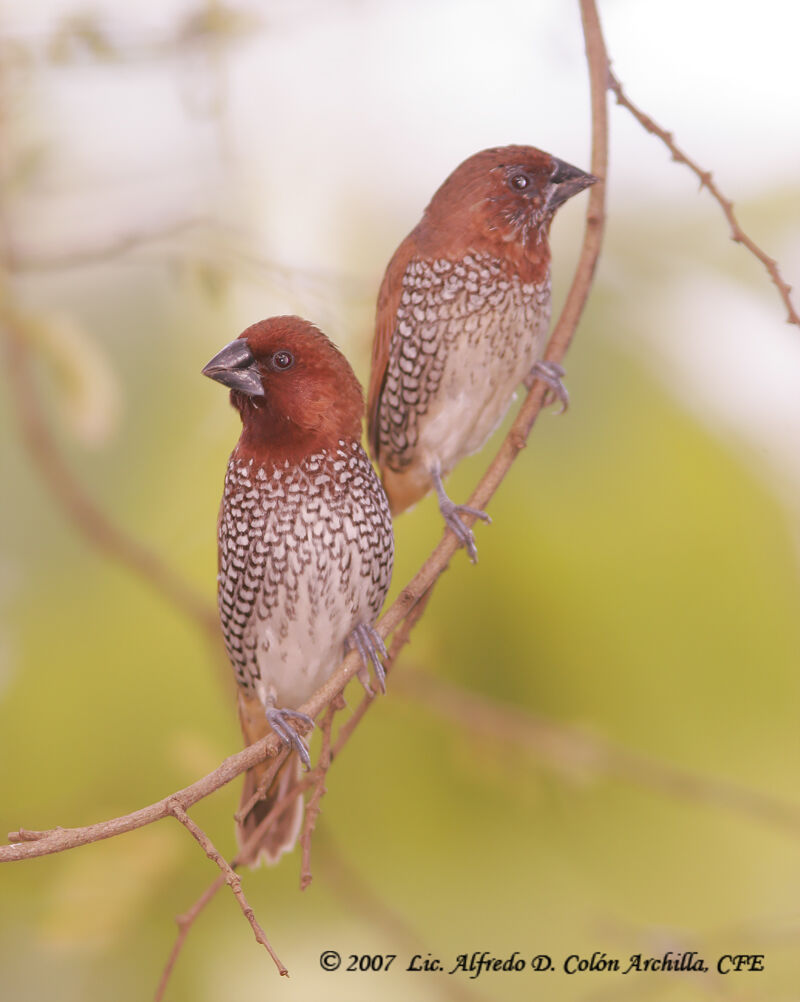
column 404, row 489
column 282, row 834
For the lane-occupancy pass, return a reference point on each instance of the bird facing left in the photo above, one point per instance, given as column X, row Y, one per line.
column 305, row 544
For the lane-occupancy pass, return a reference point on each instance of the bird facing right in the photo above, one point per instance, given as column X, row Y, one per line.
column 462, row 319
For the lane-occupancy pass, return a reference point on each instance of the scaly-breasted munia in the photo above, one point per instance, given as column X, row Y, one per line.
column 462, row 319
column 305, row 541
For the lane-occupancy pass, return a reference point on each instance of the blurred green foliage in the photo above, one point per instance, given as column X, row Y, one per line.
column 637, row 580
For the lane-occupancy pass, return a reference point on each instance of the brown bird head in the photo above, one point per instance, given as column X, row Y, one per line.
column 294, row 389
column 505, row 195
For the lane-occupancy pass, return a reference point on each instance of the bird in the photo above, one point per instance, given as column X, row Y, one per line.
column 305, row 546
column 462, row 318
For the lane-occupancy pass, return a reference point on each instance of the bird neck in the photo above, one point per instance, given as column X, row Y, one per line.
column 273, row 439
column 524, row 254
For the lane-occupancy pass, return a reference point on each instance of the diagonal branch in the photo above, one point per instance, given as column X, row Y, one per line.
column 707, row 181
column 400, row 618
column 232, row 879
column 27, row 845
column 316, row 775
column 313, row 806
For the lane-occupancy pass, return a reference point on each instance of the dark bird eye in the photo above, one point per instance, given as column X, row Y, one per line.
column 282, row 360
column 519, row 181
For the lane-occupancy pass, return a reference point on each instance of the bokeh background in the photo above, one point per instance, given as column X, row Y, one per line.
column 624, row 775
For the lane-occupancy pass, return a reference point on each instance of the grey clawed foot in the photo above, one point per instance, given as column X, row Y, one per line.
column 279, row 722
column 463, row 534
column 551, row 374
column 450, row 512
column 369, row 644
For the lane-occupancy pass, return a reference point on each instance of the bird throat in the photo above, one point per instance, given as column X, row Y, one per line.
column 271, row 438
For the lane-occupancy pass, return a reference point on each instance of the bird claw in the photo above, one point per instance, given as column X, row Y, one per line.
column 463, row 533
column 551, row 374
column 371, row 647
column 450, row 512
column 279, row 722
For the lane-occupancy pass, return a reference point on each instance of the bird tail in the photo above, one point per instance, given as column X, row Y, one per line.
column 405, row 488
column 282, row 834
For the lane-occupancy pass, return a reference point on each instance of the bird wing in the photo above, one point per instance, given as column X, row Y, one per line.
column 385, row 325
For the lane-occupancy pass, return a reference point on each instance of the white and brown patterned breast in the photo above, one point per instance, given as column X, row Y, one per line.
column 305, row 555
column 466, row 334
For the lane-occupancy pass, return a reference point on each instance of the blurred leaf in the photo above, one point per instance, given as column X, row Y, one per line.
column 79, row 36
column 217, row 20
column 25, row 166
column 214, row 282
column 87, row 393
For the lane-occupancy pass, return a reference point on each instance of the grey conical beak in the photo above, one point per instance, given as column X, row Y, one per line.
column 235, row 366
column 566, row 181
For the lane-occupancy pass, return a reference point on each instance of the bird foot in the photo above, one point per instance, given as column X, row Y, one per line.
column 279, row 721
column 463, row 534
column 551, row 374
column 450, row 512
column 369, row 644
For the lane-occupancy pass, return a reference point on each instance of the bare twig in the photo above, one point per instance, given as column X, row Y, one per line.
column 544, row 737
column 263, row 785
column 411, row 601
column 706, row 181
column 597, row 61
column 185, row 922
column 561, row 746
column 344, row 733
column 67, row 838
column 232, row 879
column 27, row 845
column 313, row 805
column 399, row 640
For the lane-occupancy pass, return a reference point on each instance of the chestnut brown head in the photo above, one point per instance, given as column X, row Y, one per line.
column 294, row 389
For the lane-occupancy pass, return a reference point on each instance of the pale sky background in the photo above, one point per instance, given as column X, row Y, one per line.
column 373, row 103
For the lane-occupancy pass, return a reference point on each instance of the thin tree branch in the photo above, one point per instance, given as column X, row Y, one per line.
column 575, row 302
column 313, row 806
column 597, row 61
column 399, row 640
column 232, row 879
column 264, row 784
column 26, row 844
column 542, row 736
column 185, row 922
column 67, row 838
column 706, row 181
column 417, row 591
column 345, row 732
